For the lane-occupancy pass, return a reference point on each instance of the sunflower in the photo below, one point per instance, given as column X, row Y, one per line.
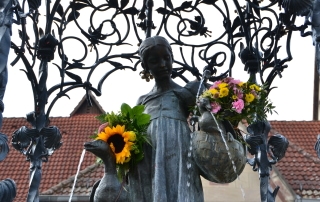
column 120, row 141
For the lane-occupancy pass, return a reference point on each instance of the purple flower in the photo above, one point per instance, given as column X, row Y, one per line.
column 238, row 93
column 238, row 105
column 254, row 93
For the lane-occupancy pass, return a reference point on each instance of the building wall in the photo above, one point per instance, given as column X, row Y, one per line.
column 231, row 192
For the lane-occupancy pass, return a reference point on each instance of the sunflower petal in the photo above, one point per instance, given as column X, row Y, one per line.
column 128, row 136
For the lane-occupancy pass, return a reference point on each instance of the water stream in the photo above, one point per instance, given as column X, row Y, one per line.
column 191, row 137
column 221, row 133
column 75, row 178
column 229, row 154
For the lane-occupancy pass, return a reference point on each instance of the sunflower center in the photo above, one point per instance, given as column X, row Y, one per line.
column 117, row 141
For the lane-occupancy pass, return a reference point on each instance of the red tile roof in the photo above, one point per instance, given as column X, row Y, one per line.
column 301, row 165
column 84, row 106
column 64, row 161
column 85, row 181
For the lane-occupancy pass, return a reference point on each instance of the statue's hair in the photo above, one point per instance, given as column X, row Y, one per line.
column 150, row 43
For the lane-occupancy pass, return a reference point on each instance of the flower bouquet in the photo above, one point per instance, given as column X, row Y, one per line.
column 125, row 132
column 219, row 141
column 234, row 100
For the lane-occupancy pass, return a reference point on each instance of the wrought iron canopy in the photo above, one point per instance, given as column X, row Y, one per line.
column 84, row 42
column 87, row 42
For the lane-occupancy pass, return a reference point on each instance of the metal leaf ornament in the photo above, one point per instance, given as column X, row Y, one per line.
column 317, row 146
column 34, row 4
column 278, row 145
column 4, row 147
column 22, row 138
column 8, row 190
column 52, row 138
column 298, row 7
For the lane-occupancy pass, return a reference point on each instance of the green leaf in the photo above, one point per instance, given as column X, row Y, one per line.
column 99, row 160
column 139, row 157
column 143, row 119
column 101, row 118
column 136, row 110
column 94, row 135
column 134, row 120
column 126, row 109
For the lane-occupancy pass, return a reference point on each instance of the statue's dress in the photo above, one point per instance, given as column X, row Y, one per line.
column 167, row 173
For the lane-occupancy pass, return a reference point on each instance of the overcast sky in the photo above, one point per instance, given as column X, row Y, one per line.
column 293, row 98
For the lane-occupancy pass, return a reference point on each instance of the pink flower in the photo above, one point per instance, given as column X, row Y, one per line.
column 215, row 107
column 238, row 105
column 234, row 81
column 227, row 79
column 216, row 84
column 102, row 127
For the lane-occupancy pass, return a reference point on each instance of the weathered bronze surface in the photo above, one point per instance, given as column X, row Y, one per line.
column 259, row 50
column 211, row 152
column 171, row 168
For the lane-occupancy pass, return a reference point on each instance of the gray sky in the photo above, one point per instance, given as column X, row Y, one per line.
column 293, row 98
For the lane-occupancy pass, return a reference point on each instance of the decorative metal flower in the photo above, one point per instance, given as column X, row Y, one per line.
column 299, row 7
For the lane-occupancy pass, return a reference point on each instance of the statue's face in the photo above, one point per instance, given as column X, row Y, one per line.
column 159, row 62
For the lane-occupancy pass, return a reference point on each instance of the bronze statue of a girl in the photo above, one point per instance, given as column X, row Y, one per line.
column 169, row 170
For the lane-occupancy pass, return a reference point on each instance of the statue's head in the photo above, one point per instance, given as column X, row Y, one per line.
column 156, row 58
column 151, row 42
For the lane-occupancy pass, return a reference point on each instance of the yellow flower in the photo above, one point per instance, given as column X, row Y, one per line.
column 127, row 160
column 254, row 87
column 249, row 97
column 234, row 97
column 129, row 136
column 112, row 147
column 119, row 141
column 213, row 91
column 222, row 85
column 240, row 84
column 206, row 94
column 223, row 92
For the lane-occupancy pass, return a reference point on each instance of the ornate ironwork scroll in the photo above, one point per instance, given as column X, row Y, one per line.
column 205, row 34
column 7, row 186
column 261, row 148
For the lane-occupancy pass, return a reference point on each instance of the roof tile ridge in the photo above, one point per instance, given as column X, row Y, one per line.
column 70, row 179
column 303, row 152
